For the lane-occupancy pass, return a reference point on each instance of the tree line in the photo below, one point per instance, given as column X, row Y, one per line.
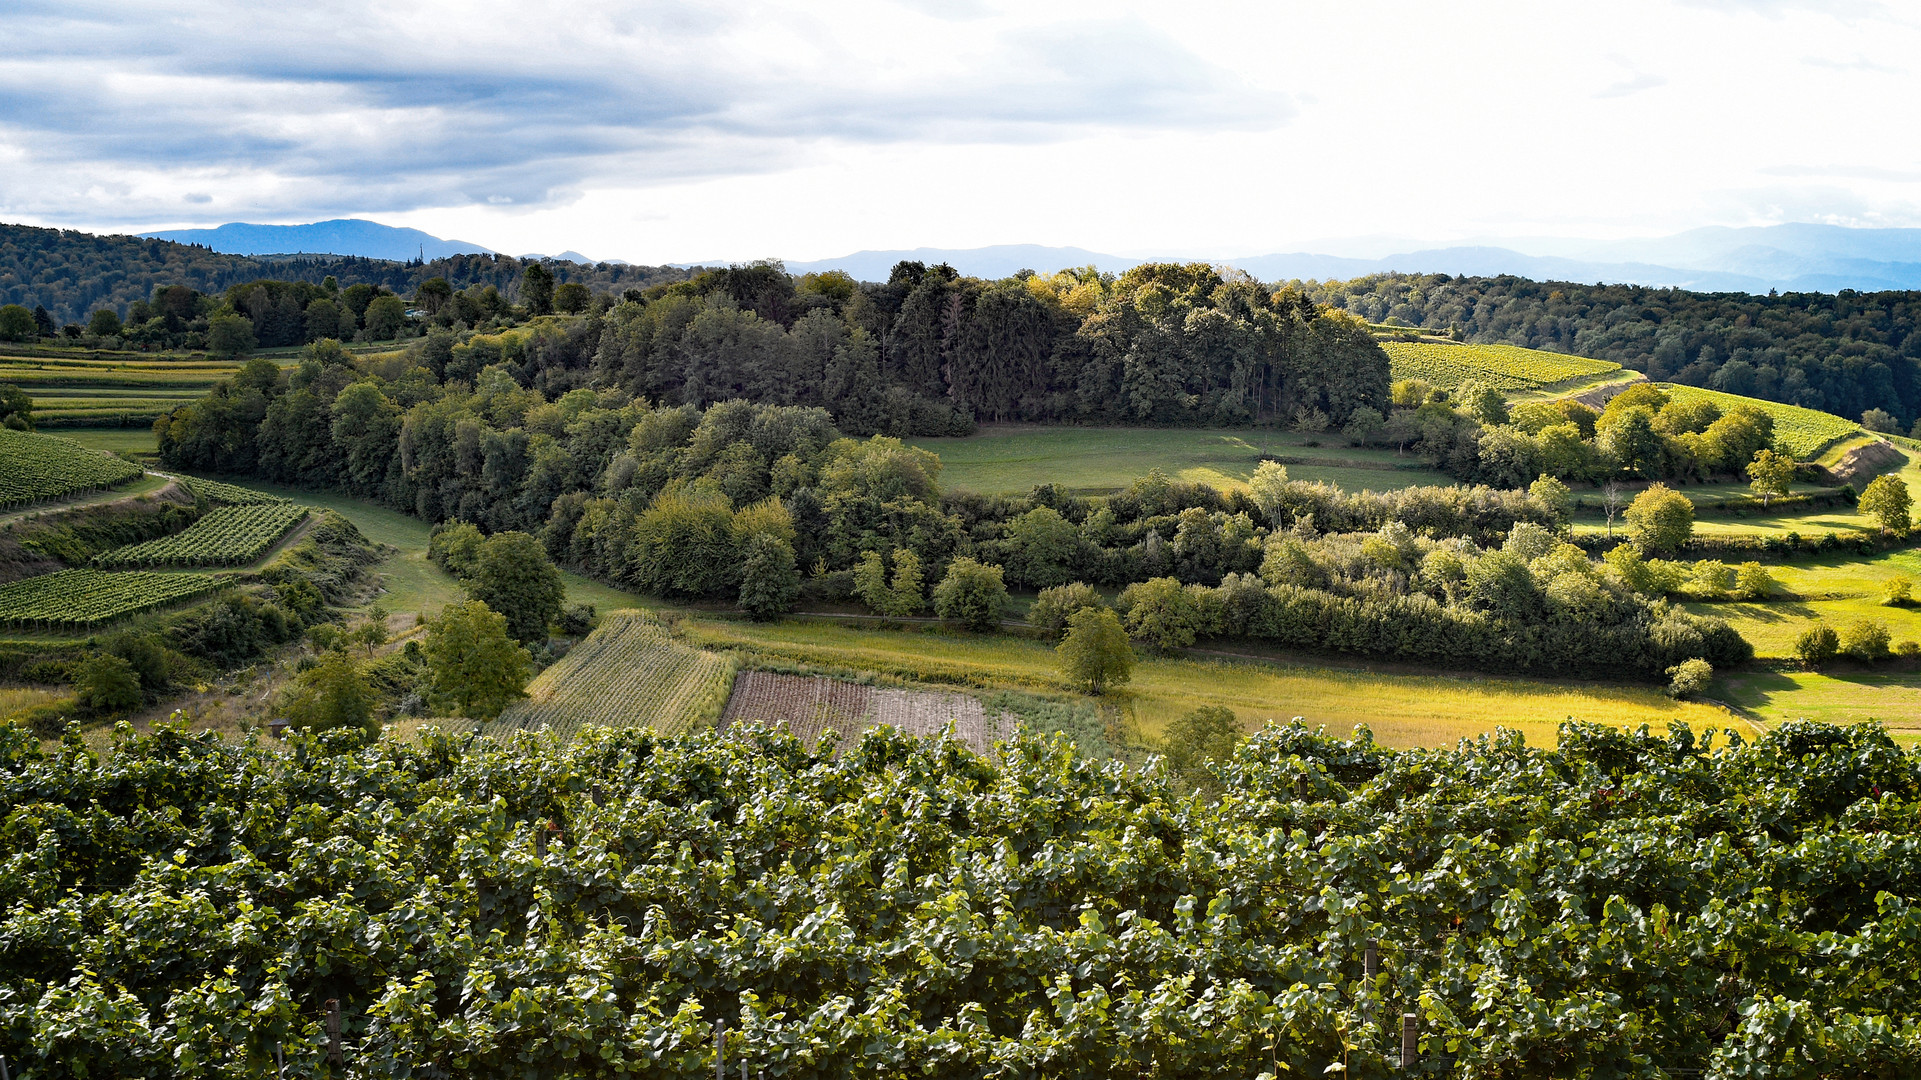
column 1844, row 353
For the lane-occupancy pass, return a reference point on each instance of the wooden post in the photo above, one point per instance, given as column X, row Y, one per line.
column 1410, row 1040
column 540, row 847
column 1370, row 963
column 333, row 1032
column 4, row 1074
column 600, row 795
column 1371, row 960
column 720, row 1050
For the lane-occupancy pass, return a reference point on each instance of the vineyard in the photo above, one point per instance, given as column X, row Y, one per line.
column 231, row 494
column 78, row 599
column 1805, row 432
column 112, row 389
column 1624, row 905
column 628, row 673
column 227, row 536
column 40, row 467
column 1507, row 367
column 808, row 707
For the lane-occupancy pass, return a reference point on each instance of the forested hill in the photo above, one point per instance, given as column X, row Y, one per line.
column 72, row 273
column 1843, row 352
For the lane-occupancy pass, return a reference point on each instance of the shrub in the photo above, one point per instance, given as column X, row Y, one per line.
column 1908, row 650
column 1660, row 520
column 1817, row 646
column 1095, row 653
column 972, row 593
column 1753, row 582
column 1865, row 639
column 1689, row 677
column 1897, row 591
column 331, row 694
column 1711, row 579
column 105, row 683
column 1198, row 739
column 1054, row 607
column 769, row 581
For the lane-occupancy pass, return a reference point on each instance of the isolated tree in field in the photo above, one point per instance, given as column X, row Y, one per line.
column 1207, row 736
column 537, row 289
column 104, row 323
column 1095, row 653
column 16, row 324
column 1817, row 646
column 1887, row 501
column 1866, row 640
column 1161, row 613
column 971, row 593
column 477, row 668
column 769, row 580
column 1753, row 582
column 1770, row 474
column 105, row 683
column 1611, row 498
column 1053, row 607
column 1689, row 678
column 1897, row 591
column 331, row 694
column 1660, row 520
column 372, row 631
column 513, row 575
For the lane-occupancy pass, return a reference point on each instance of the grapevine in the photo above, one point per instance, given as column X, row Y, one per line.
column 77, row 599
column 38, row 467
column 1505, row 367
column 628, row 672
column 228, row 536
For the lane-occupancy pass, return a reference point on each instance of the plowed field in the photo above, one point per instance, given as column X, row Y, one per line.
column 809, row 707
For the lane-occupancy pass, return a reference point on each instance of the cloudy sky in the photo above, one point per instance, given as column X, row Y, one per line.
column 657, row 131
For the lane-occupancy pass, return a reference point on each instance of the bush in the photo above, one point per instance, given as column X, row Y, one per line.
column 1053, row 607
column 576, row 621
column 1897, row 591
column 105, row 683
column 1865, row 640
column 1660, row 520
column 1095, row 653
column 1204, row 737
column 972, row 593
column 1908, row 650
column 1817, row 646
column 331, row 694
column 769, row 580
column 1753, row 582
column 1689, row 677
column 1161, row 613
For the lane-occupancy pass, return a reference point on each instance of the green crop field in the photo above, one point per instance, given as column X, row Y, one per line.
column 231, row 494
column 1506, row 367
column 78, row 599
column 1402, row 709
column 629, row 672
column 82, row 389
column 1011, row 460
column 40, row 467
column 1804, row 431
column 228, row 536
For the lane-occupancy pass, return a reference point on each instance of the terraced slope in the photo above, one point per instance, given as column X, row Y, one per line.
column 36, row 467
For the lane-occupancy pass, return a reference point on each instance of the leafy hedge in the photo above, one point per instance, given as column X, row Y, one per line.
column 1624, row 905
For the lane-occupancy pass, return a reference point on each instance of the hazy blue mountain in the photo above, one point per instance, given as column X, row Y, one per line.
column 343, row 236
column 999, row 261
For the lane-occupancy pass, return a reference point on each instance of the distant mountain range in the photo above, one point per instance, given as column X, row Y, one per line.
column 1790, row 258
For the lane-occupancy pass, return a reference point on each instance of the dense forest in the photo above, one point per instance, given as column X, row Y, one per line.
column 71, row 274
column 1843, row 353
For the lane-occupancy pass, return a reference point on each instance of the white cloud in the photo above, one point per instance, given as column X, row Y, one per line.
column 669, row 129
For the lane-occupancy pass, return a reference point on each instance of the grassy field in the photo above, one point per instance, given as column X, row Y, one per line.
column 1402, row 709
column 1836, row 589
column 1838, row 697
column 1509, row 368
column 1007, row 460
column 138, row 442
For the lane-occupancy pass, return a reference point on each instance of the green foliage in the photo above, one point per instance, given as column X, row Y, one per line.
column 454, row 546
column 73, row 599
column 769, row 579
column 512, row 575
column 1817, row 646
column 1095, row 653
column 1161, row 613
column 1689, row 678
column 972, row 594
column 16, row 408
column 227, row 536
column 1770, row 474
column 1752, row 581
column 1053, row 607
column 16, row 324
column 1200, row 740
column 106, row 683
column 1660, row 520
column 1865, row 640
column 903, row 596
column 1897, row 591
column 230, row 336
column 1553, row 496
column 1623, row 889
column 332, row 694
column 477, row 666
column 1887, row 500
column 537, row 289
